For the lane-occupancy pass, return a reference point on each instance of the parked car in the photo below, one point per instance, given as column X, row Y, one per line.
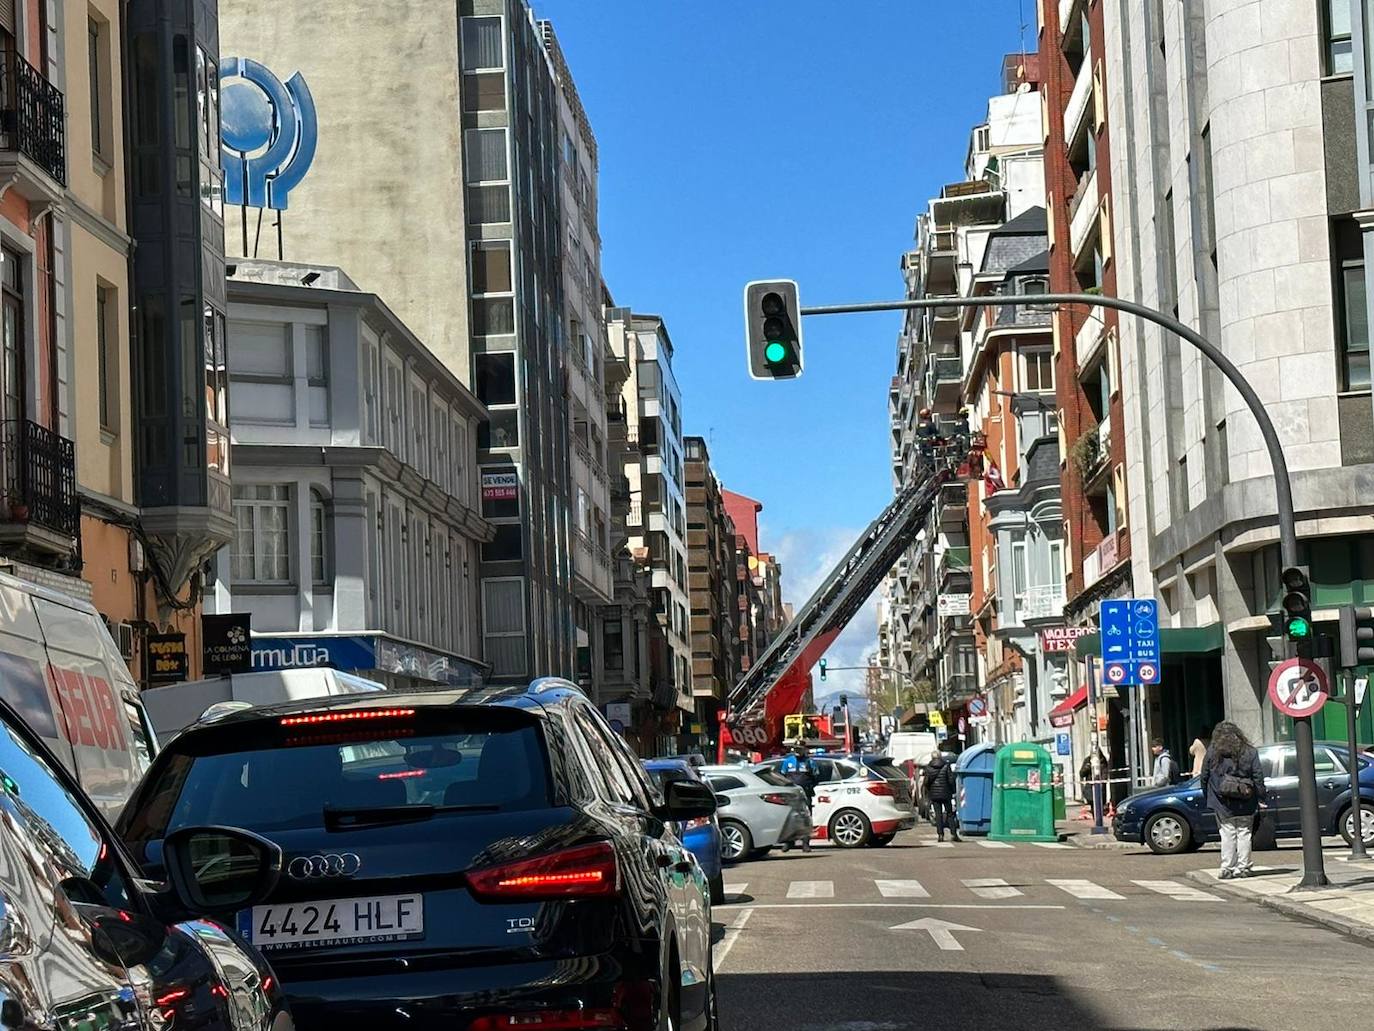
column 1175, row 818
column 861, row 799
column 702, row 835
column 62, row 672
column 87, row 942
column 454, row 858
column 759, row 809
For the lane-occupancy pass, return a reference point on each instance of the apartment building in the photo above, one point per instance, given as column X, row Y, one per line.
column 656, row 521
column 1240, row 135
column 712, row 579
column 357, row 514
column 473, row 266
column 758, row 580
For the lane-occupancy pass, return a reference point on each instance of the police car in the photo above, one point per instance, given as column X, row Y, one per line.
column 860, row 800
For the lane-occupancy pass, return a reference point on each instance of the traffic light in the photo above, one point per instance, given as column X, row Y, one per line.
column 822, row 669
column 772, row 322
column 1356, row 636
column 1296, row 607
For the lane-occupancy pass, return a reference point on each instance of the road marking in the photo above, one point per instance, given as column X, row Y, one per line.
column 811, row 890
column 732, row 933
column 1085, row 889
column 941, row 932
column 902, row 890
column 991, row 888
column 1050, row 844
column 943, row 844
column 895, row 905
column 736, row 889
column 995, row 844
column 1179, row 891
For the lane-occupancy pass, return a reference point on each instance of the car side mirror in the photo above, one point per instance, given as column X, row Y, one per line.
column 722, row 801
column 688, row 800
column 220, row 869
column 126, row 939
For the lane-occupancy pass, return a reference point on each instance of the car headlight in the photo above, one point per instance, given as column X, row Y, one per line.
column 1123, row 808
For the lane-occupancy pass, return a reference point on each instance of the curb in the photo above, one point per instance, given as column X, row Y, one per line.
column 1100, row 842
column 1289, row 906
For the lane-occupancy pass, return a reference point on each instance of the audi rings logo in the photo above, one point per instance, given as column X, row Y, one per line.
column 333, row 864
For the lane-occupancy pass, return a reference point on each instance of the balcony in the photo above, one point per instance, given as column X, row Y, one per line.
column 1083, row 213
column 33, row 146
column 1087, row 339
column 1101, row 560
column 1044, row 602
column 1076, row 110
column 42, row 512
column 591, row 569
column 951, row 504
column 947, row 379
column 954, row 560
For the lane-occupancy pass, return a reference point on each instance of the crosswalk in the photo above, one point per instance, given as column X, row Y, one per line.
column 987, row 888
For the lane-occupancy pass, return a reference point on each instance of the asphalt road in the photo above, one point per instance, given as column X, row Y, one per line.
column 818, row 943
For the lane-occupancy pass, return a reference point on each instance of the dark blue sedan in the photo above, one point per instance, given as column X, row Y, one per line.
column 1175, row 819
column 701, row 836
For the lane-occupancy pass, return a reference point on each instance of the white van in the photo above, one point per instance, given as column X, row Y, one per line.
column 62, row 673
column 175, row 707
column 914, row 745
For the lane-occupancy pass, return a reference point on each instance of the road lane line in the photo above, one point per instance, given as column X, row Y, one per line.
column 943, row 844
column 732, row 933
column 995, row 844
column 736, row 889
column 897, row 905
column 1085, row 889
column 991, row 888
column 1175, row 890
column 811, row 890
column 1050, row 844
column 902, row 890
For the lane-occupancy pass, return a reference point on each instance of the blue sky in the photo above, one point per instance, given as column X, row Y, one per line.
column 756, row 139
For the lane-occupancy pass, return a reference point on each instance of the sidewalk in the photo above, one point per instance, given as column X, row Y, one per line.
column 1079, row 833
column 1347, row 905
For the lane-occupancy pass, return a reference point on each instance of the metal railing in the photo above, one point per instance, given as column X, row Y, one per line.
column 40, row 478
column 32, row 119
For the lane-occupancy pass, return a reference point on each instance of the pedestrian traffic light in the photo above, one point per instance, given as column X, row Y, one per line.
column 822, row 669
column 772, row 323
column 1296, row 607
column 1356, row 636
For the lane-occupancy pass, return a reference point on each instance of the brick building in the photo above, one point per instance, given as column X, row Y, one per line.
column 713, row 586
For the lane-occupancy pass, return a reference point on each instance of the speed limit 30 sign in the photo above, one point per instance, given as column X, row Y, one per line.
column 1298, row 687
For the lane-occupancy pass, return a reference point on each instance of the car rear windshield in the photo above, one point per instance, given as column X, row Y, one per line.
column 289, row 780
column 885, row 769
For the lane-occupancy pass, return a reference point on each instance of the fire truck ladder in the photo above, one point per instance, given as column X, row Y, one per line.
column 845, row 590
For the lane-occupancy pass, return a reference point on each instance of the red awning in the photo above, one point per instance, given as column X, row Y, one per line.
column 1062, row 714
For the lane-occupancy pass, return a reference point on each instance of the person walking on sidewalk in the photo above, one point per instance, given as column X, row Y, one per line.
column 1166, row 769
column 938, row 781
column 1233, row 783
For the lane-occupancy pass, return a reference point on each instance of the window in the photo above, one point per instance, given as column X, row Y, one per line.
column 506, row 546
column 491, row 267
column 319, row 538
column 107, row 360
column 501, row 430
column 261, row 551
column 1340, row 58
column 1057, row 563
column 613, row 638
column 485, row 92
column 503, row 625
column 488, row 176
column 12, row 332
column 1018, row 575
column 1039, row 369
column 261, row 355
column 1352, row 307
column 493, row 316
column 482, row 44
column 97, row 80
column 371, row 396
column 495, row 377
column 395, row 408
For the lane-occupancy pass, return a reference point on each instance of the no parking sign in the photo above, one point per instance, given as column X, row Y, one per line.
column 1298, row 687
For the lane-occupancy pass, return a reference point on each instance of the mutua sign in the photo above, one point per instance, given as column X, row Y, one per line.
column 344, row 652
column 1062, row 638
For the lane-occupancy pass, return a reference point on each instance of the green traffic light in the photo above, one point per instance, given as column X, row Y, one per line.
column 775, row 352
column 1299, row 627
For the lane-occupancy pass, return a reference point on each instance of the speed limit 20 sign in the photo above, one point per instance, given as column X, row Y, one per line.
column 1298, row 687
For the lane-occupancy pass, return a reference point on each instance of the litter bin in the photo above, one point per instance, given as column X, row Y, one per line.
column 977, row 766
column 1023, row 794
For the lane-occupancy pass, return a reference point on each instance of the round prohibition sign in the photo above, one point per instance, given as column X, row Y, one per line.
column 1147, row 672
column 1298, row 687
column 1116, row 673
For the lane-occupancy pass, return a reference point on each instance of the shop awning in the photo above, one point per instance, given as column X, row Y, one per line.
column 1173, row 640
column 1062, row 714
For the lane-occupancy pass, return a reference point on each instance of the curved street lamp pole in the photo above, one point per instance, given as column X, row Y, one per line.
column 1314, row 868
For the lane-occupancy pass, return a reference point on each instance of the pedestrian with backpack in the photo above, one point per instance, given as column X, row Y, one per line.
column 1233, row 786
column 939, row 783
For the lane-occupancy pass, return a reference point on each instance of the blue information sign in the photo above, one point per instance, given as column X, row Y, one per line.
column 1061, row 744
column 1129, row 629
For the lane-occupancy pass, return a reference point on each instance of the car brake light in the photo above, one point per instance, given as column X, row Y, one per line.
column 586, row 870
column 316, row 718
column 883, row 788
column 400, row 774
column 776, row 798
column 176, row 994
column 550, row 1020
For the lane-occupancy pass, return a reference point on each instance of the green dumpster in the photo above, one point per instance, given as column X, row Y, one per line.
column 1023, row 795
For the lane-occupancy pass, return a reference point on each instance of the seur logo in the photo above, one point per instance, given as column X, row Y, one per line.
column 269, row 132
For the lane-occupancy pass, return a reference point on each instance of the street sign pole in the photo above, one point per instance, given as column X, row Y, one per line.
column 1357, row 849
column 1095, row 765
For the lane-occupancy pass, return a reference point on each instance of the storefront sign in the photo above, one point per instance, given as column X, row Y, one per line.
column 952, row 605
column 334, row 651
column 226, row 644
column 500, row 486
column 167, row 660
column 1062, row 638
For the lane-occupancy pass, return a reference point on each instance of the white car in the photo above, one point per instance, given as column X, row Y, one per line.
column 860, row 800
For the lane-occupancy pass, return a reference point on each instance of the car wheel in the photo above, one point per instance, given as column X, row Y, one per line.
column 735, row 841
column 850, row 828
column 879, row 840
column 718, row 890
column 712, row 1013
column 1167, row 834
column 669, row 1016
column 1366, row 823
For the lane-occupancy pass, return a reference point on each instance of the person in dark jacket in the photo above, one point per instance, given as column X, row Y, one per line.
column 1233, row 786
column 801, row 771
column 938, row 781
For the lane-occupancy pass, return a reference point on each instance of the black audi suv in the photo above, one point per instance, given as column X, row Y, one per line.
column 464, row 860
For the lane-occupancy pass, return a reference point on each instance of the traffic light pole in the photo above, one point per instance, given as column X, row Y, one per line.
column 1314, row 867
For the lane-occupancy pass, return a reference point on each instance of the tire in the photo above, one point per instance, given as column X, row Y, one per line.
column 670, row 1015
column 712, row 1010
column 879, row 840
column 1168, row 833
column 718, row 890
column 735, row 841
column 1347, row 823
column 850, row 828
